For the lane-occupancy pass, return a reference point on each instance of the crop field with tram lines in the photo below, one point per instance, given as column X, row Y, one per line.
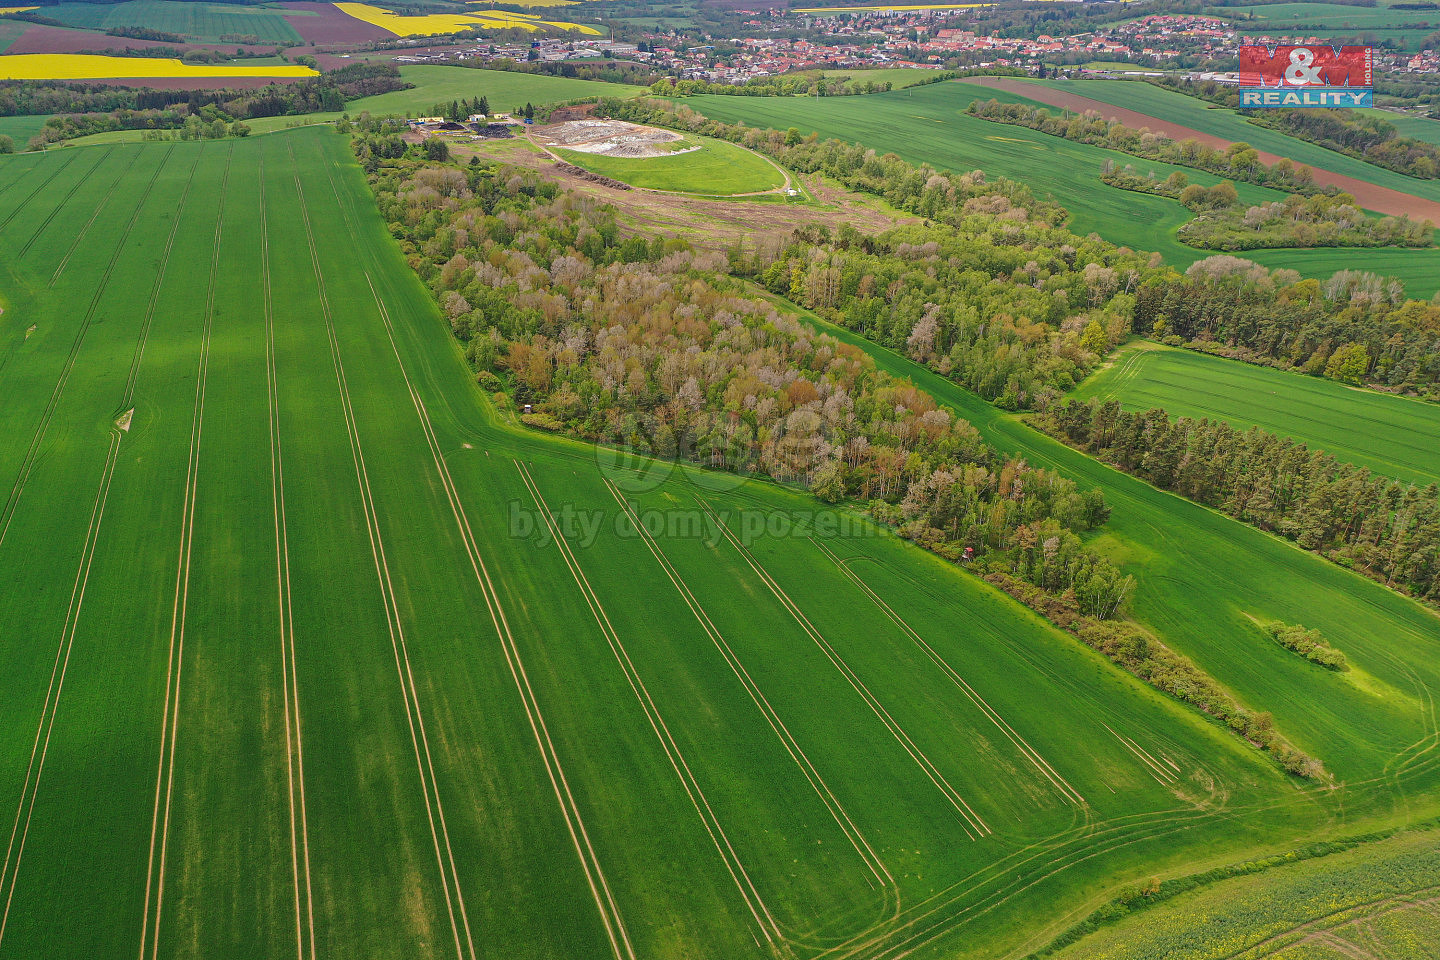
column 311, row 653
column 1393, row 436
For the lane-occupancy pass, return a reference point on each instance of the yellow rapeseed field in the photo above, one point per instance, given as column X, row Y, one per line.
column 453, row 22
column 900, row 9
column 4, row 10
column 76, row 66
column 532, row 3
column 888, row 8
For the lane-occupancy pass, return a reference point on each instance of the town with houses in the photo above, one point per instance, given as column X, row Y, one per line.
column 923, row 40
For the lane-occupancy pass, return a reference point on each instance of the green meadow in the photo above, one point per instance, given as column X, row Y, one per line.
column 1375, row 901
column 1393, row 436
column 1335, row 21
column 717, row 168
column 1418, row 128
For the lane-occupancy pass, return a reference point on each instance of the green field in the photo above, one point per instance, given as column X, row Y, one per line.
column 1231, row 124
column 330, row 687
column 1393, row 436
column 928, row 125
column 198, row 20
column 1376, row 901
column 1336, row 21
column 898, row 77
column 308, row 652
column 433, row 85
column 718, row 168
column 1418, row 128
column 21, row 129
column 1418, row 269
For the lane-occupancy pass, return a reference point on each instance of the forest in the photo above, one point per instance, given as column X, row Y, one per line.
column 1375, row 525
column 1355, row 327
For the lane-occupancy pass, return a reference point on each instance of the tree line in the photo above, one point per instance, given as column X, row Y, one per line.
column 1238, row 161
column 1382, row 528
column 1222, row 222
column 1355, row 327
column 84, row 109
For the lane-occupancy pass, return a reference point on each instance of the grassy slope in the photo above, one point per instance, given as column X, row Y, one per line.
column 898, row 78
column 1392, row 436
column 1376, row 899
column 378, row 888
column 927, row 124
column 10, row 31
column 1419, row 128
column 718, row 168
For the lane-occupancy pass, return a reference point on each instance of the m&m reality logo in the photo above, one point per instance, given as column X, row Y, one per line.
column 1310, row 76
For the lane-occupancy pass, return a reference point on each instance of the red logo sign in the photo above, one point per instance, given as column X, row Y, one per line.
column 1319, row 66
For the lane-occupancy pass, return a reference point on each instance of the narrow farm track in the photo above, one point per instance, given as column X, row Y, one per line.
column 450, row 884
column 881, row 874
column 974, row 823
column 290, row 679
column 170, row 716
